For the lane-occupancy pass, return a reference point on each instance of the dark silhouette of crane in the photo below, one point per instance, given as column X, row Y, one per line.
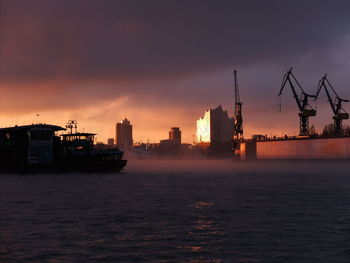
column 336, row 104
column 238, row 121
column 302, row 100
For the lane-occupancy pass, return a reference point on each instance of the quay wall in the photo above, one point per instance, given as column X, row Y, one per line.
column 320, row 148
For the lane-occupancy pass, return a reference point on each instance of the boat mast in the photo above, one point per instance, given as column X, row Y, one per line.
column 72, row 124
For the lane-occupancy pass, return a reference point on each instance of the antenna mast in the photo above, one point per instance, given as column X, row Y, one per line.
column 72, row 124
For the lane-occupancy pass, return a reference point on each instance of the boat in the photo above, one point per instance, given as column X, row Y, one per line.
column 29, row 146
column 38, row 147
column 80, row 154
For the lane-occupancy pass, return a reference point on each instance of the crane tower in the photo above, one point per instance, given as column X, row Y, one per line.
column 339, row 113
column 302, row 100
column 238, row 119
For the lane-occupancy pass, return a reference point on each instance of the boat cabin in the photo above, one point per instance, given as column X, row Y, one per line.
column 74, row 143
column 29, row 144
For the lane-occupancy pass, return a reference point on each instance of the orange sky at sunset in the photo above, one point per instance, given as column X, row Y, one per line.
column 150, row 122
column 165, row 63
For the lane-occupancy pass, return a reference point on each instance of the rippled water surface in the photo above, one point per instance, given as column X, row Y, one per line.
column 178, row 211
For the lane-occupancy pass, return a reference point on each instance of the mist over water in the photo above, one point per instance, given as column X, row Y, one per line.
column 180, row 211
column 235, row 167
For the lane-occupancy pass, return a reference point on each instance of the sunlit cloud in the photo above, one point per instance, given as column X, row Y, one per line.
column 92, row 61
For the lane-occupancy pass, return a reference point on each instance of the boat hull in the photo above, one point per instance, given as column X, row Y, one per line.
column 90, row 164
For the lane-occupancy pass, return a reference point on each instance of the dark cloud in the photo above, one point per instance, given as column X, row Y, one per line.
column 166, row 54
column 133, row 40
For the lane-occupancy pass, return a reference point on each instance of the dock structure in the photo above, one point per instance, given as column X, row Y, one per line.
column 296, row 149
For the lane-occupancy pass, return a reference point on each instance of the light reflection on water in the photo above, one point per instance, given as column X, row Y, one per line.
column 170, row 217
column 202, row 205
column 204, row 230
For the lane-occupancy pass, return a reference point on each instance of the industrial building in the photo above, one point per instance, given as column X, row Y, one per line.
column 173, row 144
column 124, row 134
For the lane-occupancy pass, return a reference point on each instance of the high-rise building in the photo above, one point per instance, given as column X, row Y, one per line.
column 124, row 134
column 175, row 134
column 110, row 142
column 215, row 129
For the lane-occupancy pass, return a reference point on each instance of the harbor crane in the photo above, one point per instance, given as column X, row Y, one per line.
column 302, row 100
column 336, row 104
column 238, row 121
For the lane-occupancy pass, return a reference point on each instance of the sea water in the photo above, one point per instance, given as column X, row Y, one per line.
column 180, row 211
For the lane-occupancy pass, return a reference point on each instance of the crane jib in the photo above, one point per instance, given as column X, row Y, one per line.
column 305, row 110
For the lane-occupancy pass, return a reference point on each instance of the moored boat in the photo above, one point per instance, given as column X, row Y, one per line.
column 38, row 147
column 79, row 153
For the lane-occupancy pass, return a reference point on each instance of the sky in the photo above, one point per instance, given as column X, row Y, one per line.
column 163, row 63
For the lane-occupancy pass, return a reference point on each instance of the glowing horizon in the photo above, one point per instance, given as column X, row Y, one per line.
column 90, row 61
